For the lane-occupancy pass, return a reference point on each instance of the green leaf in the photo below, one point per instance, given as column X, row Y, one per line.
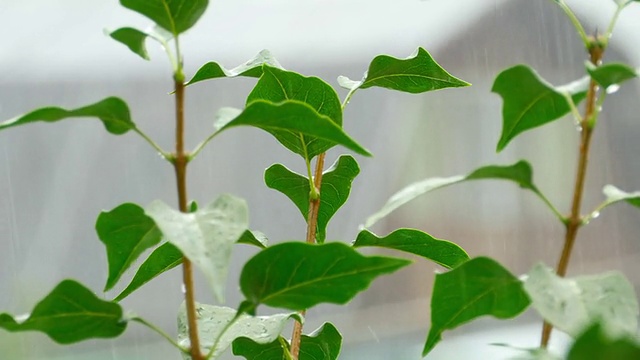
column 571, row 305
column 162, row 259
column 70, row 313
column 293, row 117
column 594, row 344
column 334, row 190
column 416, row 242
column 615, row 195
column 476, row 288
column 255, row 238
column 112, row 111
column 520, row 173
column 213, row 319
column 205, row 237
column 251, row 68
column 416, row 74
column 528, row 101
column 176, row 16
column 298, row 276
column 610, row 76
column 126, row 232
column 135, row 39
column 277, row 85
column 323, row 344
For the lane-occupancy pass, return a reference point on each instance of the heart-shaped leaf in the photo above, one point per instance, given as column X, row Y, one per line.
column 293, row 117
column 70, row 313
column 176, row 16
column 573, row 304
column 126, row 232
column 136, row 39
column 161, row 260
column 251, row 68
column 416, row 74
column 520, row 173
column 595, row 344
column 528, row 101
column 277, row 85
column 323, row 344
column 206, row 236
column 416, row 242
column 476, row 288
column 298, row 276
column 212, row 320
column 112, row 111
column 611, row 75
column 334, row 190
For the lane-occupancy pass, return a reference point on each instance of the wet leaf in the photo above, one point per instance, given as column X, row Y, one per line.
column 615, row 195
column 213, row 319
column 112, row 111
column 136, row 39
column 206, row 236
column 277, row 85
column 416, row 242
column 528, row 101
column 594, row 344
column 255, row 238
column 298, row 276
column 571, row 305
column 176, row 16
column 334, row 191
column 611, row 75
column 416, row 74
column 251, row 68
column 70, row 313
column 293, row 117
column 476, row 288
column 161, row 260
column 126, row 232
column 520, row 173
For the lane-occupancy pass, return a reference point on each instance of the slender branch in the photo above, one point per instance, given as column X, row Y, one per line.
column 614, row 19
column 201, row 146
column 285, row 348
column 180, row 165
column 161, row 333
column 574, row 222
column 574, row 20
column 219, row 337
column 555, row 211
column 165, row 155
column 312, row 225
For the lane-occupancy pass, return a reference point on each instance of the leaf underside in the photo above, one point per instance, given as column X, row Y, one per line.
column 176, row 16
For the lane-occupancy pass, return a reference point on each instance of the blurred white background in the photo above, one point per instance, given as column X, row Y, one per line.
column 55, row 179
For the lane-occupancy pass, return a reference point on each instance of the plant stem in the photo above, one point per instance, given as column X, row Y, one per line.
column 161, row 333
column 596, row 52
column 180, row 165
column 312, row 225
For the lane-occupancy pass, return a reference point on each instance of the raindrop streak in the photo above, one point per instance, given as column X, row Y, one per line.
column 611, row 89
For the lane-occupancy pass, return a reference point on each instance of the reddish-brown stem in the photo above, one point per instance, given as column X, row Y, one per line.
column 596, row 51
column 180, row 164
column 312, row 226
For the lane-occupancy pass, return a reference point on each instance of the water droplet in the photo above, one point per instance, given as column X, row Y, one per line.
column 161, row 156
column 579, row 128
column 599, row 108
column 613, row 88
column 595, row 214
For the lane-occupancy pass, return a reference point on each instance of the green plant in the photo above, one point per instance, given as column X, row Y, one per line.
column 481, row 286
column 305, row 115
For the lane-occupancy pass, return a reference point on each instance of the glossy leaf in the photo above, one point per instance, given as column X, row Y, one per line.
column 277, row 85
column 161, row 260
column 594, row 344
column 68, row 314
column 571, row 305
column 176, row 16
column 416, row 242
column 334, row 191
column 126, row 232
column 255, row 238
column 298, row 276
column 251, row 68
column 611, row 75
column 323, row 344
column 416, row 74
column 293, row 117
column 476, row 288
column 112, row 111
column 520, row 173
column 206, row 236
column 528, row 102
column 213, row 319
column 136, row 39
